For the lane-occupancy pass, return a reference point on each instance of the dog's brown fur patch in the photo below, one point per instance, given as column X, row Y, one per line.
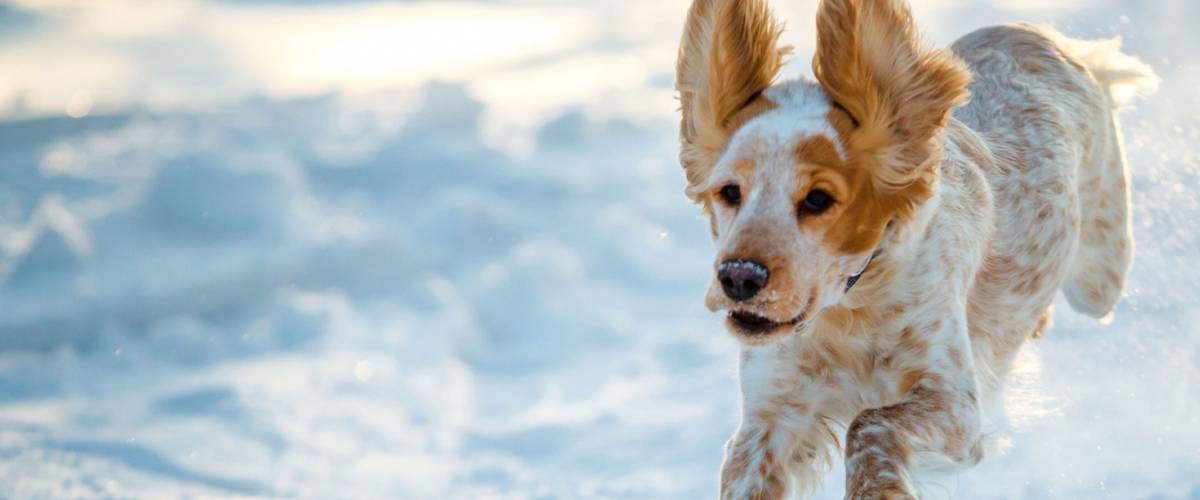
column 729, row 54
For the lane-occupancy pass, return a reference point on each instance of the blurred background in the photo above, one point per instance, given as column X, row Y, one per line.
column 429, row 249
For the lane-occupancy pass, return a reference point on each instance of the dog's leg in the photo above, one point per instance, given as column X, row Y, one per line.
column 1106, row 240
column 755, row 462
column 1105, row 250
column 790, row 399
column 937, row 418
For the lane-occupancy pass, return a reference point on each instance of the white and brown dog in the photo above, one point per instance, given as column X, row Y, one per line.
column 889, row 235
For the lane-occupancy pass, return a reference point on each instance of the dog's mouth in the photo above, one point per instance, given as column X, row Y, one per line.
column 753, row 325
column 756, row 328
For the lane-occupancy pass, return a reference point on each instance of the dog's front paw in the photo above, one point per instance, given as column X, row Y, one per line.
column 883, row 494
column 881, row 491
column 739, row 482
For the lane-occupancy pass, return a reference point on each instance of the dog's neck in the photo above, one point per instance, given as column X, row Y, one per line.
column 874, row 299
column 901, row 244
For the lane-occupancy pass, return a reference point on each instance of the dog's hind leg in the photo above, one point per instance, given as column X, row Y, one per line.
column 1105, row 250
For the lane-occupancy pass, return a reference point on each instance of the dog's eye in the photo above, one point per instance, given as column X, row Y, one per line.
column 817, row 202
column 732, row 195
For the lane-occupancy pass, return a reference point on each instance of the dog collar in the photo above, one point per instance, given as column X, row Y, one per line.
column 854, row 278
column 887, row 231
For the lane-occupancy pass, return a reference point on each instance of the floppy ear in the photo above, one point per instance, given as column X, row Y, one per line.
column 869, row 59
column 729, row 55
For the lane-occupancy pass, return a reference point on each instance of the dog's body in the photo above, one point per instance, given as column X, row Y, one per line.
column 967, row 221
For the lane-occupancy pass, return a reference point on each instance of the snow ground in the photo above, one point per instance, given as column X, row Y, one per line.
column 289, row 250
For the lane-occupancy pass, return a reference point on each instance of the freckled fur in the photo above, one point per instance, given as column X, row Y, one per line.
column 982, row 209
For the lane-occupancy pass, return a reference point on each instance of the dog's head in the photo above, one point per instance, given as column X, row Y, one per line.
column 800, row 179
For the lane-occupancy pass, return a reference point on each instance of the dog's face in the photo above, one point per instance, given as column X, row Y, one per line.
column 801, row 179
column 790, row 225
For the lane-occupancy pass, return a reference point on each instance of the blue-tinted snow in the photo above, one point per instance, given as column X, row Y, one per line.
column 472, row 284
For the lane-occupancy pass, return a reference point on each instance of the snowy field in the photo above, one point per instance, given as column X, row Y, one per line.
column 436, row 250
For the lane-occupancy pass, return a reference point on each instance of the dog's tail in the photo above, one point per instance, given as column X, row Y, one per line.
column 1105, row 250
column 1120, row 75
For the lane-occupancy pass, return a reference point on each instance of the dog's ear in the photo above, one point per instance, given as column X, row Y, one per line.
column 870, row 61
column 728, row 56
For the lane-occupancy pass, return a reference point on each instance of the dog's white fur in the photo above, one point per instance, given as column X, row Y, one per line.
column 979, row 212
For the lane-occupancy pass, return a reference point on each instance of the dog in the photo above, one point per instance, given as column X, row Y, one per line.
column 889, row 235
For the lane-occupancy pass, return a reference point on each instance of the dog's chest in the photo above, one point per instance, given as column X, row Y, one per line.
column 869, row 364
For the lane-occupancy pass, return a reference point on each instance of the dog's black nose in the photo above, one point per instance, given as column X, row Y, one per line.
column 742, row 279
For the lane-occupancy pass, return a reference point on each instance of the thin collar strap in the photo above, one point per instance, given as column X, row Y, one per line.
column 854, row 279
column 878, row 250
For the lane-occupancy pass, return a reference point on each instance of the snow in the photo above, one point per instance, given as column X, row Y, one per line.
column 234, row 276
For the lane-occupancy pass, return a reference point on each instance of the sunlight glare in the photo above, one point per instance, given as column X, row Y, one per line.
column 1025, row 399
column 375, row 46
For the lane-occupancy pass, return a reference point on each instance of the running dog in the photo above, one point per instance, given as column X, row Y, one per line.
column 889, row 235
